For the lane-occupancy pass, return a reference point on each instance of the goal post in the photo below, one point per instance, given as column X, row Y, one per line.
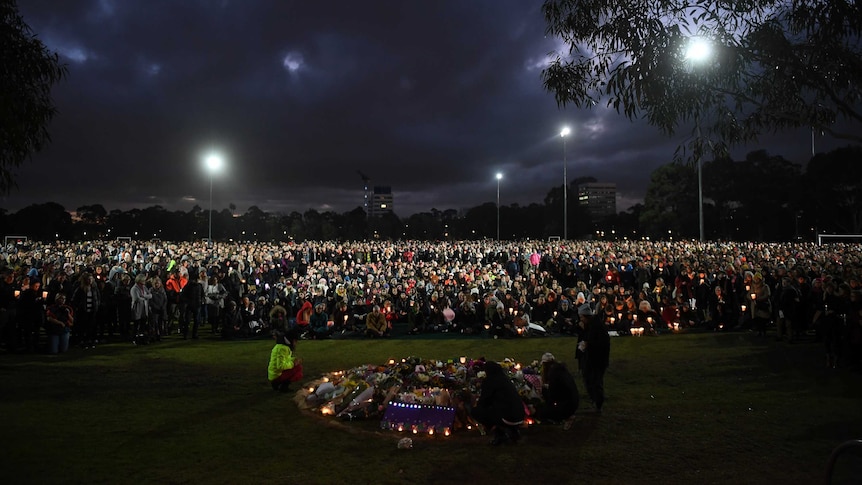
column 15, row 240
column 851, row 238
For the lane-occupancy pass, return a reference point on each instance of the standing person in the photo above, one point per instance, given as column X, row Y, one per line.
column 500, row 406
column 761, row 302
column 8, row 309
column 59, row 319
column 173, row 289
column 192, row 298
column 597, row 351
column 141, row 297
column 86, row 300
column 284, row 366
column 158, row 308
column 123, row 299
column 559, row 392
column 215, row 295
column 30, row 314
column 788, row 302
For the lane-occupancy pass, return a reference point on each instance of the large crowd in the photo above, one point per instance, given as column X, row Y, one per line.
column 88, row 292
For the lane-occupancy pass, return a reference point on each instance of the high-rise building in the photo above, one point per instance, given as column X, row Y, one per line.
column 381, row 201
column 599, row 199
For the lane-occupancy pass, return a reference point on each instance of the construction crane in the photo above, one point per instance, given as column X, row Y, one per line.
column 365, row 182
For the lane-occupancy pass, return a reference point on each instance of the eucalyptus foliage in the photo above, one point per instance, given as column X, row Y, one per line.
column 773, row 65
column 28, row 70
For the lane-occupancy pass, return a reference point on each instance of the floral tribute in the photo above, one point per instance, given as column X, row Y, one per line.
column 414, row 395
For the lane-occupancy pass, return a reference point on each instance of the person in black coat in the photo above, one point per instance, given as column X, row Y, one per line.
column 559, row 392
column 597, row 350
column 499, row 407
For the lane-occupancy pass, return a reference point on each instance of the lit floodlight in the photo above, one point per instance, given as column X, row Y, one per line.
column 214, row 162
column 565, row 131
column 698, row 49
column 499, row 176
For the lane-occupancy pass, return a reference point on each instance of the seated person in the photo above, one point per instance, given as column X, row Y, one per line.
column 284, row 366
column 375, row 323
column 232, row 325
column 278, row 317
column 319, row 322
column 501, row 323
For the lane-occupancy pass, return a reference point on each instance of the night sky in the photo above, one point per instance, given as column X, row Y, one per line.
column 432, row 98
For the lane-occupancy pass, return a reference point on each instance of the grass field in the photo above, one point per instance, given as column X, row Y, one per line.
column 694, row 408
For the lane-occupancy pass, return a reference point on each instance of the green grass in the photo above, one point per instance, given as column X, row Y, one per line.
column 696, row 408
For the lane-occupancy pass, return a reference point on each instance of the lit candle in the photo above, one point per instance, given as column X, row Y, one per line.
column 345, row 318
column 17, row 293
column 463, row 360
column 649, row 319
column 391, row 361
column 613, row 319
column 446, row 432
column 45, row 295
column 744, row 307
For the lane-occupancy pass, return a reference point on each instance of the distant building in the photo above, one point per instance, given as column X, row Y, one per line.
column 381, row 202
column 599, row 199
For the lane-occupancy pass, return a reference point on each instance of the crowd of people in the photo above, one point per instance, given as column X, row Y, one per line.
column 91, row 291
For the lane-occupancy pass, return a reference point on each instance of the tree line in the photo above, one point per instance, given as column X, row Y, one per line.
column 761, row 198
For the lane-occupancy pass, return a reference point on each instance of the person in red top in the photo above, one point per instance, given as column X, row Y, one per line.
column 173, row 287
column 303, row 316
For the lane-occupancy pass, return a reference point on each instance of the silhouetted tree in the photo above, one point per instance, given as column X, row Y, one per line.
column 29, row 71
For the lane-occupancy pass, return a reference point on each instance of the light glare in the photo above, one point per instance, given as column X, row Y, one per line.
column 698, row 50
column 565, row 131
column 214, row 162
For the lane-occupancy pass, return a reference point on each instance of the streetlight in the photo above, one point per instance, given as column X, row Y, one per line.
column 499, row 178
column 563, row 135
column 698, row 51
column 214, row 163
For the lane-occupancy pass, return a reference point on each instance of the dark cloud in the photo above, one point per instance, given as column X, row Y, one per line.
column 430, row 98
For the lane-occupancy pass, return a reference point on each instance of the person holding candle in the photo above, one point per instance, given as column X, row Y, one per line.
column 284, row 366
column 30, row 314
column 9, row 294
column 761, row 300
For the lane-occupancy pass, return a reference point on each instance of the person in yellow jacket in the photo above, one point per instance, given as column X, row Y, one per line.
column 284, row 366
